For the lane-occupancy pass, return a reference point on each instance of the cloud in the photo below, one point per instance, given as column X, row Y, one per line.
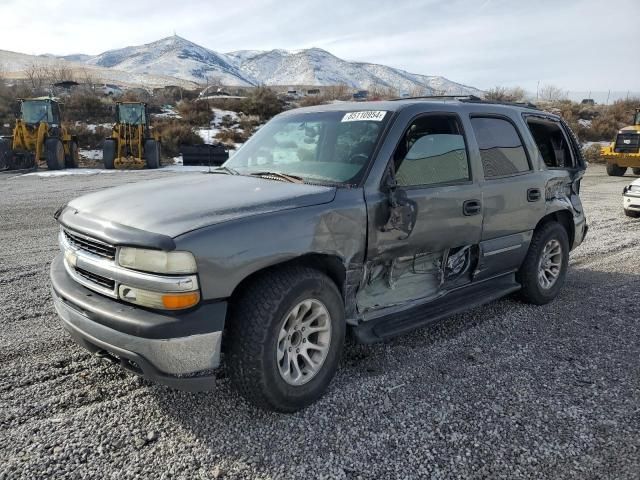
column 576, row 44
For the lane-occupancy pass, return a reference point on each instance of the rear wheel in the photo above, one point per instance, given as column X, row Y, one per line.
column 5, row 154
column 152, row 153
column 109, row 153
column 614, row 170
column 71, row 160
column 636, row 171
column 285, row 338
column 54, row 152
column 544, row 269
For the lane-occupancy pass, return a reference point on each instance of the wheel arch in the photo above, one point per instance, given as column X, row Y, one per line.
column 564, row 218
column 331, row 265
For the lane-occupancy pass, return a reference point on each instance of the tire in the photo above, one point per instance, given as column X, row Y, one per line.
column 614, row 170
column 109, row 153
column 5, row 154
column 266, row 307
column 71, row 160
column 152, row 153
column 636, row 171
column 631, row 213
column 54, row 152
column 533, row 290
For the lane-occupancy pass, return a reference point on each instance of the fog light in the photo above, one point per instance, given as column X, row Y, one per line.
column 71, row 258
column 164, row 301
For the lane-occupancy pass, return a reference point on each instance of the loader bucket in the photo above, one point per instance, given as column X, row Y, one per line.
column 15, row 160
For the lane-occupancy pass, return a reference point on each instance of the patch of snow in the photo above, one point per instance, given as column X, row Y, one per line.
column 91, row 154
column 177, row 160
column 584, row 123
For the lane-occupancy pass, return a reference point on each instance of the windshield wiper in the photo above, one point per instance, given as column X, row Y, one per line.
column 279, row 176
column 225, row 170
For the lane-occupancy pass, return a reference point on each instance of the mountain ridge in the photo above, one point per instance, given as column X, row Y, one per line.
column 185, row 60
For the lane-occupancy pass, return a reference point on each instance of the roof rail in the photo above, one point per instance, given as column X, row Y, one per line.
column 497, row 102
column 439, row 97
column 468, row 99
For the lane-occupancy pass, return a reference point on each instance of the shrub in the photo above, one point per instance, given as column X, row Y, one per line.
column 592, row 153
column 263, row 102
column 231, row 136
column 173, row 134
column 90, row 139
column 195, row 113
column 88, row 108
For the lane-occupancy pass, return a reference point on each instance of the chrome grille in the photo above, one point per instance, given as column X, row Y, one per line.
column 100, row 280
column 93, row 246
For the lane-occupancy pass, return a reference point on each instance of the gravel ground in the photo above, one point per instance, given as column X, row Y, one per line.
column 504, row 391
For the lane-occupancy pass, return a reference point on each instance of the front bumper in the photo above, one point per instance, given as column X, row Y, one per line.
column 178, row 350
column 631, row 202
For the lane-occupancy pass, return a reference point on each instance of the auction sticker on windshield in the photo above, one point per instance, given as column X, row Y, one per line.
column 375, row 115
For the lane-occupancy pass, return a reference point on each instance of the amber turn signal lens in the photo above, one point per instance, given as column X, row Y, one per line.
column 177, row 301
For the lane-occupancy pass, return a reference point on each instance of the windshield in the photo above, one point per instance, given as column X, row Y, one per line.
column 331, row 147
column 131, row 113
column 36, row 112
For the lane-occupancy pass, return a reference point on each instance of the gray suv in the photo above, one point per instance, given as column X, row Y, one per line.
column 369, row 219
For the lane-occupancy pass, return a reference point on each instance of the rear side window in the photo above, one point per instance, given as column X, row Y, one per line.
column 501, row 149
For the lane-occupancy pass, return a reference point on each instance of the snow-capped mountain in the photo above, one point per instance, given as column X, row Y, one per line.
column 315, row 66
column 176, row 57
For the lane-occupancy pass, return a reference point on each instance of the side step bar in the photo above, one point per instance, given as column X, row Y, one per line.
column 458, row 301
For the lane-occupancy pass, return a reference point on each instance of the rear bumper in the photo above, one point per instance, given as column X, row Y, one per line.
column 180, row 352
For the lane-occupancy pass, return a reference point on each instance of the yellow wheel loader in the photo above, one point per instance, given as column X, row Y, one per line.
column 39, row 138
column 132, row 144
column 624, row 151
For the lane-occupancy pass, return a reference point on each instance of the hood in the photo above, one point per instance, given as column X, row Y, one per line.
column 186, row 202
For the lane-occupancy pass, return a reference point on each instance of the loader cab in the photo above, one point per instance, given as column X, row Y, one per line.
column 34, row 111
column 131, row 113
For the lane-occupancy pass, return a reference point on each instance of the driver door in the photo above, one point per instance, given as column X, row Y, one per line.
column 443, row 221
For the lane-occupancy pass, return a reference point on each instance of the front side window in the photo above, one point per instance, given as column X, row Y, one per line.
column 501, row 149
column 432, row 152
column 332, row 147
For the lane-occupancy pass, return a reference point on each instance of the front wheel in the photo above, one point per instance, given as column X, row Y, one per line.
column 544, row 269
column 285, row 336
column 636, row 171
column 72, row 160
column 54, row 153
column 152, row 153
column 614, row 170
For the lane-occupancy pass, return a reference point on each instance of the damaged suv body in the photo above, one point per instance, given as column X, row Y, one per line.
column 371, row 218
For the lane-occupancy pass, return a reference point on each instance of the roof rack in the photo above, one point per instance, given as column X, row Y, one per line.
column 469, row 99
column 440, row 97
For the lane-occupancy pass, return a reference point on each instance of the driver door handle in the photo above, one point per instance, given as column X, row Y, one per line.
column 471, row 207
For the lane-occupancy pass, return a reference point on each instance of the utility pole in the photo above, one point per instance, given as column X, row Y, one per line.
column 608, row 93
column 538, row 90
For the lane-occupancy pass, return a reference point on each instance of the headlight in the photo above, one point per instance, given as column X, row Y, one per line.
column 157, row 261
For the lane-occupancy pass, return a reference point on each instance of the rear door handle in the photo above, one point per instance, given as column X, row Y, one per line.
column 471, row 207
column 533, row 195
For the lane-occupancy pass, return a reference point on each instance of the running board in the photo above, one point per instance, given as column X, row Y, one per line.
column 458, row 301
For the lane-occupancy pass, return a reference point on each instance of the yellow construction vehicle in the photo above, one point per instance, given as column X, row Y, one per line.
column 39, row 138
column 132, row 144
column 624, row 151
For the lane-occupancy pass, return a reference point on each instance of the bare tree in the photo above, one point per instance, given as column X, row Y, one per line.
column 551, row 93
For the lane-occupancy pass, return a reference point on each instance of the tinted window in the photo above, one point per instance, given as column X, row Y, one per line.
column 432, row 152
column 501, row 150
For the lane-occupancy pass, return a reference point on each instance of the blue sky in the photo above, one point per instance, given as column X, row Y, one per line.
column 574, row 44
